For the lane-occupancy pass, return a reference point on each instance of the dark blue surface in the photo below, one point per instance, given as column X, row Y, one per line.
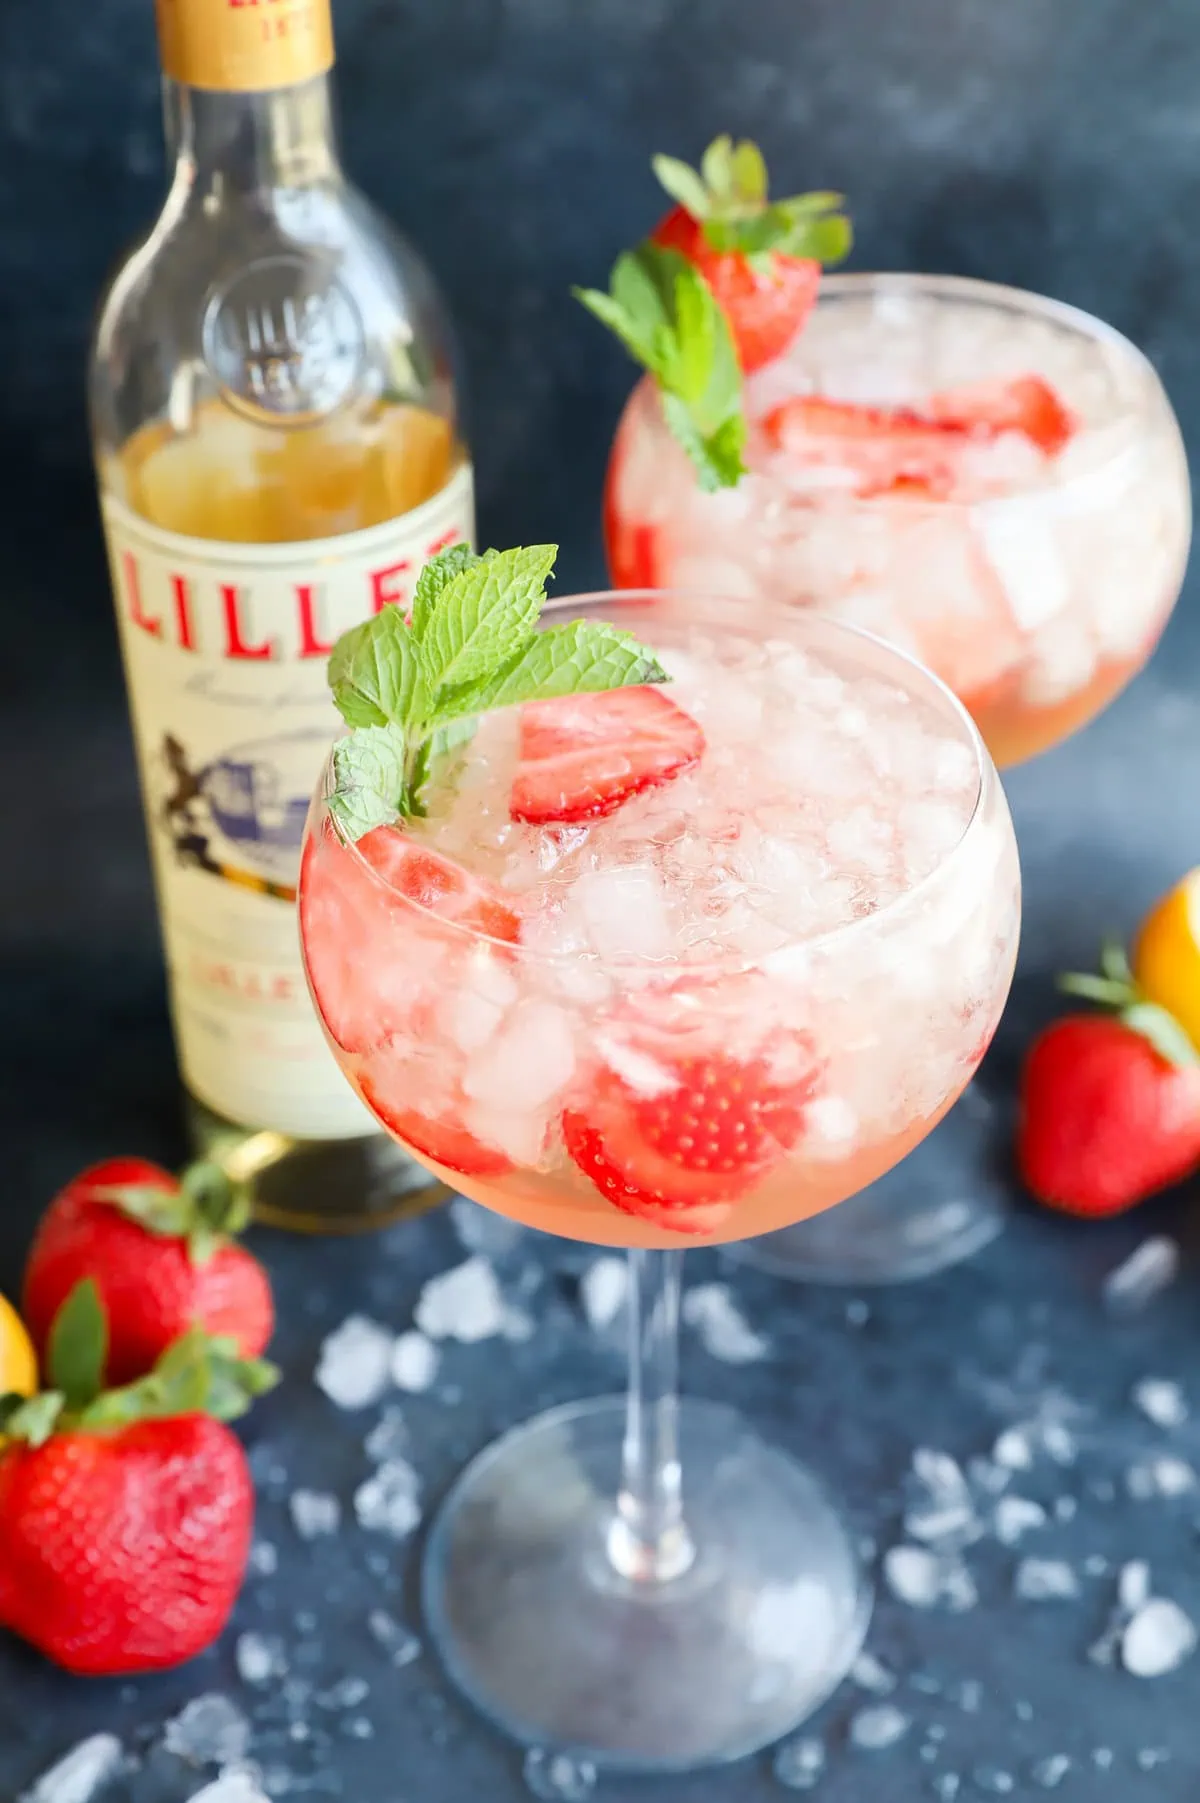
column 1050, row 145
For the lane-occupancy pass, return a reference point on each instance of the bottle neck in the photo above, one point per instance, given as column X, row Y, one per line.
column 247, row 143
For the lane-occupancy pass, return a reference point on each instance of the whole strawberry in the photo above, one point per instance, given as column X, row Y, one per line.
column 721, row 288
column 125, row 1515
column 1110, row 1103
column 162, row 1255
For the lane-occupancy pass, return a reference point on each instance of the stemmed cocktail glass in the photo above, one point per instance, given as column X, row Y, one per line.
column 991, row 480
column 726, row 1006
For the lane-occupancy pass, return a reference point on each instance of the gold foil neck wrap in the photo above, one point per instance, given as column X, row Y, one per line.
column 244, row 46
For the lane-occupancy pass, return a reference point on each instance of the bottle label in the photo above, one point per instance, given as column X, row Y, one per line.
column 244, row 46
column 225, row 648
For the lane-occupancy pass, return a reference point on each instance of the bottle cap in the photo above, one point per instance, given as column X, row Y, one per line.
column 244, row 46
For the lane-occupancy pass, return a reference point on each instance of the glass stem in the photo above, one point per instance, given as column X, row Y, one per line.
column 649, row 1542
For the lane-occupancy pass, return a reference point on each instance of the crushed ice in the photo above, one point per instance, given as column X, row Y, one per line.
column 1161, row 1401
column 940, row 1510
column 603, row 1289
column 210, row 1730
column 234, row 1787
column 723, row 1330
column 314, row 1513
column 1014, row 1516
column 878, row 1726
column 80, row 1774
column 1045, row 1581
column 922, row 1578
column 260, row 1658
column 799, row 1762
column 462, row 1304
column 354, row 1368
column 1157, row 1639
column 389, row 1501
column 1151, row 1268
column 484, row 1233
column 398, row 1642
column 558, row 1777
column 870, row 1673
column 414, row 1362
column 389, row 1438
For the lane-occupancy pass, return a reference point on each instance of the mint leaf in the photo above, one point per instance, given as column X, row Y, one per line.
column 433, row 579
column 375, row 673
column 78, row 1346
column 369, row 777
column 716, row 456
column 482, row 615
column 580, row 657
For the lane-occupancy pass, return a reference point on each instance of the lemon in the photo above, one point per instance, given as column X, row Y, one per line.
column 18, row 1363
column 1166, row 954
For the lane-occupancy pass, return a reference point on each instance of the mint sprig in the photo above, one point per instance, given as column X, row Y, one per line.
column 412, row 689
column 665, row 314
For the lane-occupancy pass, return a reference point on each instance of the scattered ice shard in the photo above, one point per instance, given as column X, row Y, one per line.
column 211, row 1730
column 234, row 1787
column 1149, row 1757
column 558, row 1777
column 913, row 1574
column 1148, row 1270
column 347, row 1693
column 1166, row 1477
column 389, row 1501
column 1162, row 1401
column 398, row 1642
column 799, row 1762
column 1045, row 1581
column 81, row 1774
column 462, row 1304
column 724, row 1331
column 946, row 1786
column 941, row 1509
column 1013, row 1450
column 1133, row 1585
column 968, row 1696
column 482, row 1232
column 1016, row 1515
column 314, row 1513
column 1102, row 1758
column 1049, row 1773
column 879, row 1726
column 414, row 1362
column 260, row 1658
column 389, row 1438
column 355, row 1366
column 264, row 1559
column 1059, row 1442
column 602, row 1291
column 1157, row 1640
column 994, row 1780
column 869, row 1673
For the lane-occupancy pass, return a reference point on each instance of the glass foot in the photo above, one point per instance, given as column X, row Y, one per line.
column 940, row 1205
column 547, row 1641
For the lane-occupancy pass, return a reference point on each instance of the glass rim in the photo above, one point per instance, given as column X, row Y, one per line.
column 733, row 962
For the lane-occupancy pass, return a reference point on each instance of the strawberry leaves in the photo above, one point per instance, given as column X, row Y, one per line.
column 1117, row 990
column 206, row 1208
column 728, row 197
column 410, row 690
column 199, row 1374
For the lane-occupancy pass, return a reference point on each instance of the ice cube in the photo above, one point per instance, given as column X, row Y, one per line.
column 264, row 1559
column 1013, row 1450
column 869, row 1673
column 314, row 1512
column 1016, row 1515
column 879, row 1726
column 389, row 1438
column 1133, row 1584
column 415, row 1361
column 914, row 1575
column 831, row 1126
column 235, row 1787
column 210, row 1730
column 1021, row 545
column 799, row 1762
column 558, row 1777
column 625, row 912
column 1161, row 1400
column 1045, row 1581
column 260, row 1657
column 1148, row 1270
column 483, row 1231
column 527, row 1063
column 81, row 1774
column 389, row 1501
column 602, row 1291
column 1049, row 1773
column 724, row 1332
column 942, row 1508
column 354, row 1369
column 476, row 1009
column 1061, row 662
column 347, row 1693
column 1159, row 1638
column 398, row 1642
column 462, row 1304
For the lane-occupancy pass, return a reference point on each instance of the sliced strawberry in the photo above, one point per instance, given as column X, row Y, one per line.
column 766, row 300
column 584, row 755
column 883, row 450
column 396, row 1086
column 372, row 959
column 632, row 549
column 1025, row 404
column 679, row 1158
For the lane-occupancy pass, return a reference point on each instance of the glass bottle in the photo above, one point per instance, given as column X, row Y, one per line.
column 278, row 450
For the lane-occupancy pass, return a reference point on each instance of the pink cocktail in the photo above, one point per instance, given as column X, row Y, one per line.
column 665, row 967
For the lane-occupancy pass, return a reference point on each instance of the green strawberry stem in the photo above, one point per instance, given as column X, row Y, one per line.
column 199, row 1374
column 411, row 690
column 1117, row 990
column 212, row 1204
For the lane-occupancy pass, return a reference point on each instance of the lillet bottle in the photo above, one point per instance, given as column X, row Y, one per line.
column 273, row 407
